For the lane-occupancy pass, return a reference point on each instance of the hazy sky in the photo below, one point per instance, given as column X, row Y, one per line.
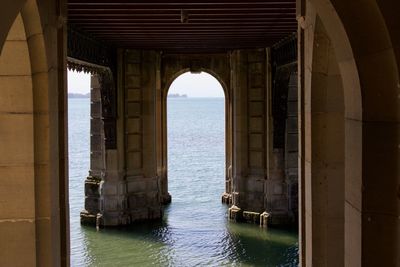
column 193, row 85
column 78, row 82
column 196, row 85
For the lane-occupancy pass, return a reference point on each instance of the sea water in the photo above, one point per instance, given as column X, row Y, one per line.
column 195, row 230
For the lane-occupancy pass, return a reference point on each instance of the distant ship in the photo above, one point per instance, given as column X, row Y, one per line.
column 177, row 96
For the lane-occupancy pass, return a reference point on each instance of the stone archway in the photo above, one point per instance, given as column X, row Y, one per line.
column 369, row 77
column 172, row 67
column 33, row 171
column 325, row 159
column 329, row 133
column 226, row 194
column 17, row 137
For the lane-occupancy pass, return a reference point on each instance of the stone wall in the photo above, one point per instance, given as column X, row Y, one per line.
column 292, row 146
column 97, row 154
column 173, row 65
column 142, row 182
column 34, row 214
column 256, row 179
column 249, row 131
column 137, row 185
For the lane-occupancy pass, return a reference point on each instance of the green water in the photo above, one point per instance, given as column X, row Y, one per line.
column 195, row 230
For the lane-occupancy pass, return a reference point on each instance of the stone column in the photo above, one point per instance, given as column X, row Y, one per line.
column 113, row 201
column 142, row 182
column 92, row 182
column 105, row 200
column 259, row 182
column 249, row 146
column 239, row 136
column 291, row 148
column 161, row 127
column 276, row 198
column 324, row 144
column 227, row 195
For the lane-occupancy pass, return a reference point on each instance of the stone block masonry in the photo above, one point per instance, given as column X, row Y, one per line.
column 129, row 183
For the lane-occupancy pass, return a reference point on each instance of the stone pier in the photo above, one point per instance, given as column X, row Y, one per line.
column 128, row 177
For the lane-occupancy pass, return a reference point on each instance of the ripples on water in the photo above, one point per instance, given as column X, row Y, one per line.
column 194, row 230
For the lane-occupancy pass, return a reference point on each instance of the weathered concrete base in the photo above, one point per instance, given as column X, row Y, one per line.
column 92, row 206
column 146, row 214
column 112, row 219
column 276, row 219
column 88, row 218
column 264, row 219
column 226, row 198
column 166, row 199
column 235, row 214
column 238, row 215
column 251, row 217
column 92, row 194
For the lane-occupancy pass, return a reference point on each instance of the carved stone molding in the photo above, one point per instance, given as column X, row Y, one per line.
column 83, row 47
column 109, row 110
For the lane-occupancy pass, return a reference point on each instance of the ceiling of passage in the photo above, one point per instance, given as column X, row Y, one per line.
column 185, row 25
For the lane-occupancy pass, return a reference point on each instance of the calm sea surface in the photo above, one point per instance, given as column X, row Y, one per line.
column 195, row 230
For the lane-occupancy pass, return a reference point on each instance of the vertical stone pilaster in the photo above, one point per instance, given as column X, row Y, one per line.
column 142, row 182
column 277, row 197
column 227, row 195
column 259, row 181
column 239, row 164
column 256, row 91
column 249, row 128
column 282, row 136
column 113, row 198
column 104, row 188
column 92, row 182
column 161, row 138
column 292, row 147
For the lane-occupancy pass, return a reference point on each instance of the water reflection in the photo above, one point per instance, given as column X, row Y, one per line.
column 263, row 247
column 194, row 230
column 170, row 244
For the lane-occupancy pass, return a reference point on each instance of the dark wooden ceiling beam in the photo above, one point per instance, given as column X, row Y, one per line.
column 172, row 6
column 256, row 42
column 184, row 28
column 193, row 38
column 174, row 45
column 219, row 33
column 166, row 13
column 179, row 2
column 178, row 20
column 150, row 11
column 184, row 25
column 211, row 32
column 221, row 23
column 261, row 16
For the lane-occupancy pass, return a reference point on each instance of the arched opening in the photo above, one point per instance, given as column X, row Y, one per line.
column 17, row 131
column 327, row 140
column 80, row 105
column 331, row 166
column 369, row 75
column 196, row 132
column 88, row 110
column 196, row 166
column 218, row 81
column 188, row 91
column 33, row 190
